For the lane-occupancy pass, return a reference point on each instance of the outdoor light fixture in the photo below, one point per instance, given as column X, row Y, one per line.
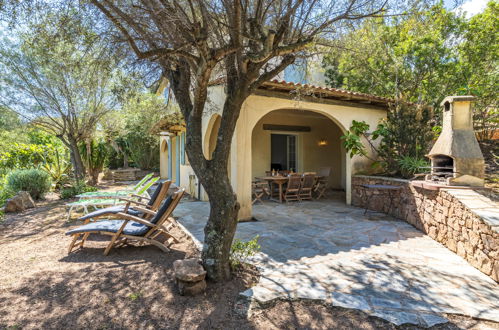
column 322, row 142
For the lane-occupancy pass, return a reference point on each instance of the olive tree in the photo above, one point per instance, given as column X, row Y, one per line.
column 61, row 76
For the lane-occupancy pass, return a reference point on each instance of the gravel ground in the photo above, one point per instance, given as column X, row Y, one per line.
column 43, row 287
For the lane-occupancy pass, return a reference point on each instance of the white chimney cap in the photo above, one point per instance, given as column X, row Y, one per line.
column 457, row 98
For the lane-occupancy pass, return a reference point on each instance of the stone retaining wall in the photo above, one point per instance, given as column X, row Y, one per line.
column 465, row 221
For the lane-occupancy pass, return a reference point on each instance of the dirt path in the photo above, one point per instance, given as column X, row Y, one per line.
column 43, row 287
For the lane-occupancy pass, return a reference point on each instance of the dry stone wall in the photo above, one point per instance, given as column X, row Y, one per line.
column 465, row 221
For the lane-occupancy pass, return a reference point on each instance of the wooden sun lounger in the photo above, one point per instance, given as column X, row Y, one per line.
column 132, row 228
column 131, row 206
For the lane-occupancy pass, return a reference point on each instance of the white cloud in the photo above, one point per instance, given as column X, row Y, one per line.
column 472, row 7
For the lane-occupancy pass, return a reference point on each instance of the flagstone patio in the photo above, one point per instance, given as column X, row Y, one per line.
column 326, row 250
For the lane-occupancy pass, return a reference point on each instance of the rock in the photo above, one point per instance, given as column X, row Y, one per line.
column 433, row 232
column 482, row 262
column 191, row 288
column 189, row 270
column 19, row 202
column 14, row 204
column 461, row 251
column 28, row 202
column 451, row 245
column 495, row 271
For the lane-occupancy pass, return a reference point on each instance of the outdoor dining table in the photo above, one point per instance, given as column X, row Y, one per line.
column 279, row 180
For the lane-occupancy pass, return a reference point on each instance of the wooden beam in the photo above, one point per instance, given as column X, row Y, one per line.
column 286, row 128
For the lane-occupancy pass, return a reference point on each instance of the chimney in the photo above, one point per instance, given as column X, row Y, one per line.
column 456, row 158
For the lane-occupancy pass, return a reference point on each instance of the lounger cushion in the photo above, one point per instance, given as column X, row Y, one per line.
column 110, row 210
column 162, row 209
column 112, row 226
column 155, row 194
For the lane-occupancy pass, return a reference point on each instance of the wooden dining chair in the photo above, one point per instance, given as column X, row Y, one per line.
column 292, row 192
column 322, row 183
column 260, row 189
column 307, row 185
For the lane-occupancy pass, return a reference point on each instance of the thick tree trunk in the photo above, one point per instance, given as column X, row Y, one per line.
column 94, row 176
column 78, row 167
column 221, row 226
column 213, row 175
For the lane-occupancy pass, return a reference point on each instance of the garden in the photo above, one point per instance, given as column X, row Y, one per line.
column 82, row 94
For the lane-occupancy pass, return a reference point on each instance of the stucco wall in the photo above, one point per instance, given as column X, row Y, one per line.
column 310, row 156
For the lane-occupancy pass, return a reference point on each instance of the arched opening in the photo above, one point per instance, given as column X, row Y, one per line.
column 301, row 141
column 210, row 140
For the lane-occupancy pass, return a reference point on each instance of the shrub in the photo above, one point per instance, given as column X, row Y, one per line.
column 79, row 187
column 5, row 192
column 241, row 251
column 22, row 155
column 36, row 182
column 404, row 136
column 412, row 165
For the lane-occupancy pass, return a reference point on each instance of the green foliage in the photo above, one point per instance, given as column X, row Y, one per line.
column 57, row 166
column 62, row 76
column 5, row 191
column 8, row 119
column 76, row 188
column 479, row 58
column 405, row 134
column 412, row 165
column 94, row 154
column 423, row 57
column 132, row 129
column 39, row 136
column 22, row 155
column 34, row 181
column 352, row 139
column 53, row 159
column 241, row 251
column 410, row 56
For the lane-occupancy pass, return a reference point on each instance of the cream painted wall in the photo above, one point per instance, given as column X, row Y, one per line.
column 311, row 156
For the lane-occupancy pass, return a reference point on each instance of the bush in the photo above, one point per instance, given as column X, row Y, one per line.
column 22, row 155
column 79, row 187
column 5, row 192
column 405, row 135
column 241, row 251
column 412, row 165
column 36, row 182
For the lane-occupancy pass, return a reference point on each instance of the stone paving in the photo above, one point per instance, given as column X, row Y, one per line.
column 326, row 250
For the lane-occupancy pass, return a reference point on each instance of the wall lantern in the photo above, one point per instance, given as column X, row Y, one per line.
column 322, row 143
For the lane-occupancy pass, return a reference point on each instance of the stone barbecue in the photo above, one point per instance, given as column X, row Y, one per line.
column 456, row 158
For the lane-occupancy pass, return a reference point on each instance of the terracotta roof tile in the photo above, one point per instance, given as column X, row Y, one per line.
column 327, row 91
